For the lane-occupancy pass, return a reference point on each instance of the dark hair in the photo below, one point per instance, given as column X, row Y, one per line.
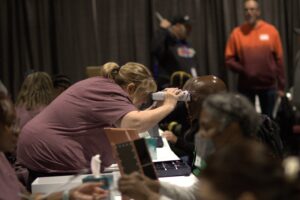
column 246, row 167
column 61, row 81
column 229, row 107
column 5, row 105
column 36, row 90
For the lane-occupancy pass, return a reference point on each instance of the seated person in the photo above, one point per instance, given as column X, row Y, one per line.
column 11, row 188
column 249, row 167
column 225, row 119
column 35, row 94
column 60, row 83
column 199, row 88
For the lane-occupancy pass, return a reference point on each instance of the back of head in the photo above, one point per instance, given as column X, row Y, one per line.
column 36, row 90
column 250, row 169
column 228, row 107
column 179, row 78
column 9, row 130
column 201, row 87
column 131, row 72
column 61, row 81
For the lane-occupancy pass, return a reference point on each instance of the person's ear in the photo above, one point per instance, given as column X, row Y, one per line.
column 130, row 88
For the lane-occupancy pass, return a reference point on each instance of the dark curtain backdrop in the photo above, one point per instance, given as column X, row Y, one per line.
column 65, row 36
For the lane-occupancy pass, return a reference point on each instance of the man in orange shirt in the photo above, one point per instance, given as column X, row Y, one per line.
column 254, row 52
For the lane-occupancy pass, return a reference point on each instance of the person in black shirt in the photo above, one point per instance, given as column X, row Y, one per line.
column 171, row 51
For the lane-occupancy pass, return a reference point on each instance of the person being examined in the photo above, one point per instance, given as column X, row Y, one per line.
column 199, row 88
column 68, row 132
column 171, row 50
column 11, row 188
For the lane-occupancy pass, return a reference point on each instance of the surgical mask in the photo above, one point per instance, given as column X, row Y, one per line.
column 204, row 147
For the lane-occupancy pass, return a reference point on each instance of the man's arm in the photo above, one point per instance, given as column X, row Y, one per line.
column 158, row 43
column 279, row 62
column 179, row 193
column 231, row 56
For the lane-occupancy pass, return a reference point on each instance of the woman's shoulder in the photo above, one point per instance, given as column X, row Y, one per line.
column 97, row 87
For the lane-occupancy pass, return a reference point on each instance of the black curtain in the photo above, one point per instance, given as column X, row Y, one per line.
column 65, row 36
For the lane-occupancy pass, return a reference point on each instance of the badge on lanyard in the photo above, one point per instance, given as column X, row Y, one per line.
column 198, row 161
column 264, row 37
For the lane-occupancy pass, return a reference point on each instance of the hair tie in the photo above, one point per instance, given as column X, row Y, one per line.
column 115, row 72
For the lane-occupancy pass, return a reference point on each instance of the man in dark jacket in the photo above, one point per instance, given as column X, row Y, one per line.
column 171, row 50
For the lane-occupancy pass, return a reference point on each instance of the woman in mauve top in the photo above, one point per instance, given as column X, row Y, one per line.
column 68, row 132
column 10, row 187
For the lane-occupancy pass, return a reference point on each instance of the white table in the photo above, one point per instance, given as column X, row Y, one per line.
column 47, row 185
column 58, row 183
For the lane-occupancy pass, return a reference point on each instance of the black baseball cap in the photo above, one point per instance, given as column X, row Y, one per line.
column 180, row 19
column 185, row 20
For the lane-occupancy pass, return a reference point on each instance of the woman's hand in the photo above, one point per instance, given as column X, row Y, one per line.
column 88, row 191
column 170, row 136
column 137, row 187
column 171, row 96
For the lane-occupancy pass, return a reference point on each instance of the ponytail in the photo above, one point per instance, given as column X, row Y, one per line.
column 131, row 72
column 110, row 70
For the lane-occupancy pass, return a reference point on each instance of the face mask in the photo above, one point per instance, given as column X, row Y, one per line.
column 204, row 147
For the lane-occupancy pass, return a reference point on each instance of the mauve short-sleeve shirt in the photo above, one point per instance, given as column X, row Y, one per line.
column 69, row 131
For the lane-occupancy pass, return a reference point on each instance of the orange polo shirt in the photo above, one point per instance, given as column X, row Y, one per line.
column 256, row 55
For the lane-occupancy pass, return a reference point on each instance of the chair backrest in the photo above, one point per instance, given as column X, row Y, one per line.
column 92, row 71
